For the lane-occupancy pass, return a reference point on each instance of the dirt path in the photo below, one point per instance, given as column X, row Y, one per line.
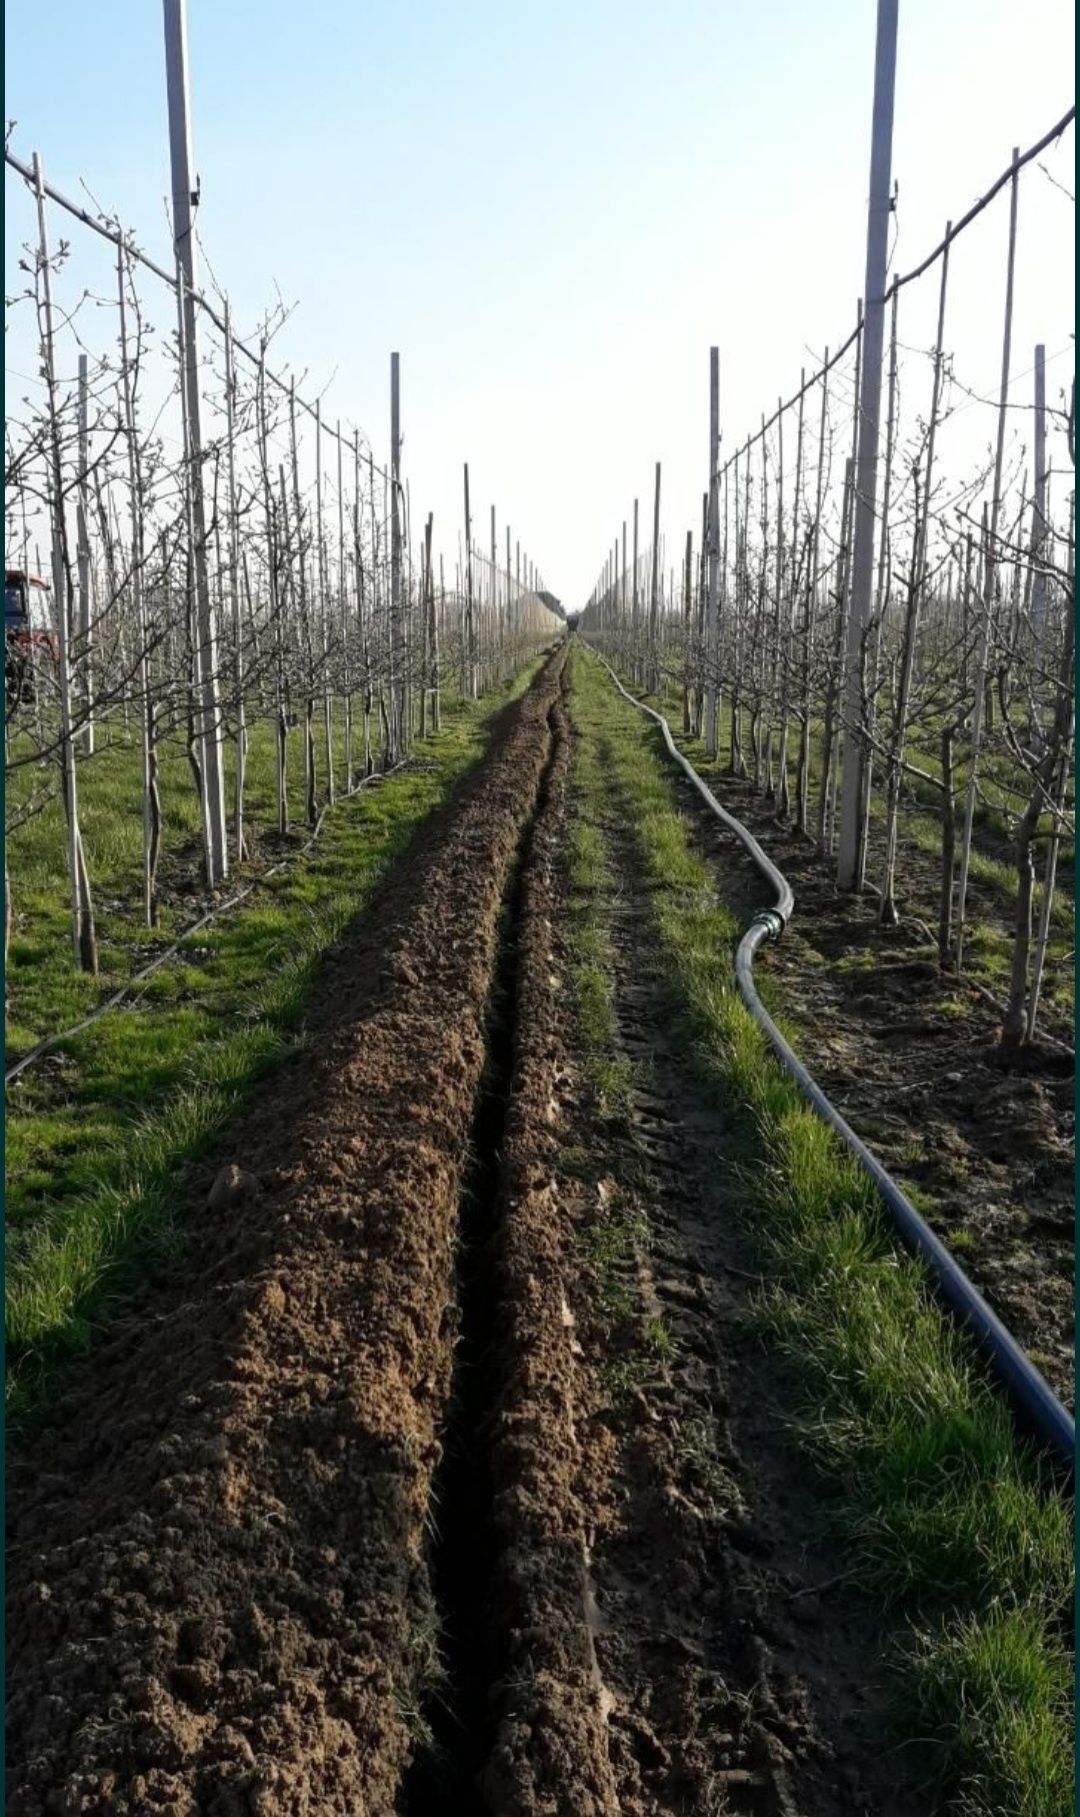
column 219, row 1595
column 910, row 1058
column 671, row 1637
column 445, row 1474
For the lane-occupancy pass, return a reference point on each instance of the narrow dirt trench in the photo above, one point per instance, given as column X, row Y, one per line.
column 219, row 1564
column 460, row 1713
column 672, row 1635
column 378, row 1507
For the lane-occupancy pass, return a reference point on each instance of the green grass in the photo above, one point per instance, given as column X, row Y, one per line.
column 618, row 1232
column 610, row 1074
column 95, row 1140
column 993, row 1697
column 988, row 941
column 948, row 1518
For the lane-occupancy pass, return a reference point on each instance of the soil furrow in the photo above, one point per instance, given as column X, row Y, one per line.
column 659, row 1630
column 550, row 1752
column 444, row 1773
column 219, row 1594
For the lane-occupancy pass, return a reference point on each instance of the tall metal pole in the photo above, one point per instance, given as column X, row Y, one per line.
column 184, row 199
column 495, row 641
column 989, row 573
column 635, row 609
column 470, row 623
column 82, row 645
column 713, row 629
column 862, row 569
column 234, row 593
column 1038, row 516
column 343, row 607
column 654, row 606
column 59, row 576
column 151, row 809
column 396, row 713
column 324, row 634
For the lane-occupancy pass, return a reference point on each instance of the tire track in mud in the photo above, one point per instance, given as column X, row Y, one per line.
column 665, row 1645
column 693, row 1477
column 219, row 1574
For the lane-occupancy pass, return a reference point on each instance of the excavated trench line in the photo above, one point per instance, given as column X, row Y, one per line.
column 551, row 1748
column 219, row 1592
column 461, row 1715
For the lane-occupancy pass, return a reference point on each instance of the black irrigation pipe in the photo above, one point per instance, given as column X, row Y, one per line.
column 1038, row 1409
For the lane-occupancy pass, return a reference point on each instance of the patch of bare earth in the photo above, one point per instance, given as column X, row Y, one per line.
column 674, row 1635
column 219, row 1596
column 911, row 1057
column 551, row 1750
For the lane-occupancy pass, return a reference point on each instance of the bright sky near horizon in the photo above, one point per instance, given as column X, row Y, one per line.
column 552, row 211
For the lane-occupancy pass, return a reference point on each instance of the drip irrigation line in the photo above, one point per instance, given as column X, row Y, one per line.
column 121, row 996
column 1038, row 1408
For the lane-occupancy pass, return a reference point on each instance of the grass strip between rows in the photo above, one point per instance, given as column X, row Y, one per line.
column 948, row 1516
column 619, row 1233
column 94, row 1149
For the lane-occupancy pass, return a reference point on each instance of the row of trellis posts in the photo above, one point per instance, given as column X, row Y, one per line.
column 865, row 615
column 207, row 573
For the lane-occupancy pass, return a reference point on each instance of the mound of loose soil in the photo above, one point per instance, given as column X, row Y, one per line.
column 218, row 1590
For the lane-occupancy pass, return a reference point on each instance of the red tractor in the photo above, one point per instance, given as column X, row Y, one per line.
column 29, row 638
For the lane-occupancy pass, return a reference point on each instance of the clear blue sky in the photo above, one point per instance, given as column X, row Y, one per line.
column 551, row 210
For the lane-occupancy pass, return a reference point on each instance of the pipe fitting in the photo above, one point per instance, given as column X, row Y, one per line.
column 771, row 920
